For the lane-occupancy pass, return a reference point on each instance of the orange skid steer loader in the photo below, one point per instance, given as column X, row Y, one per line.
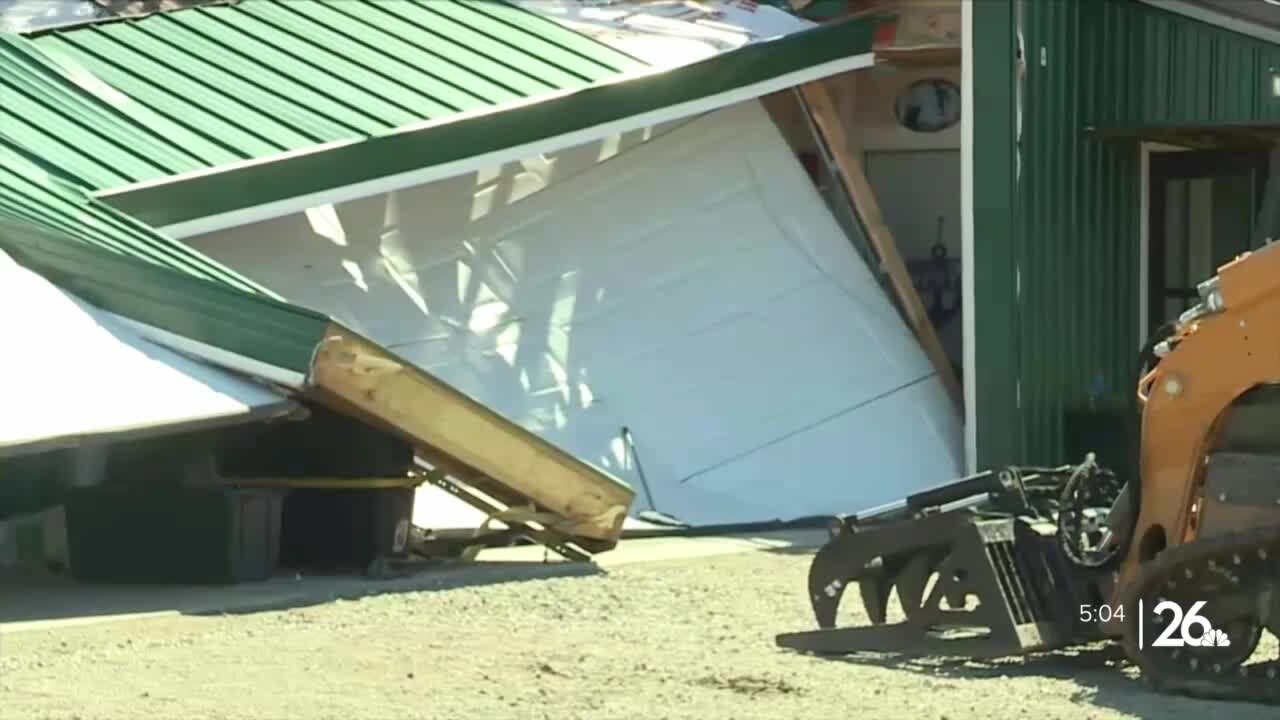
column 1181, row 565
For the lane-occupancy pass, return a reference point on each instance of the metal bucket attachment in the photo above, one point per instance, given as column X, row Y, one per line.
column 967, row 586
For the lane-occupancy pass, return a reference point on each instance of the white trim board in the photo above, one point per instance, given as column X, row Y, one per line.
column 216, row 356
column 421, row 176
column 967, row 298
column 1144, row 242
column 1145, row 149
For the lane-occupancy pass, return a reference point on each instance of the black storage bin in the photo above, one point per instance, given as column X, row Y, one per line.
column 343, row 529
column 173, row 535
column 326, row 444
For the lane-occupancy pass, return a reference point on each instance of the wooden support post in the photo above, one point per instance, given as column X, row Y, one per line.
column 474, row 444
column 822, row 109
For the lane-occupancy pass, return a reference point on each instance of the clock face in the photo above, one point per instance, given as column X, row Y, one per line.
column 928, row 106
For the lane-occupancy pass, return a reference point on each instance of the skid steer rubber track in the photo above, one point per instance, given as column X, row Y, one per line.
column 1234, row 574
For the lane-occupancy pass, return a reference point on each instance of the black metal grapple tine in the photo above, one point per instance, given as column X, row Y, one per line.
column 914, row 577
column 996, row 562
column 858, row 555
column 834, row 566
column 875, row 588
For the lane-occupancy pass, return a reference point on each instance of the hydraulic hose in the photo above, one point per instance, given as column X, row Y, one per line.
column 1147, row 362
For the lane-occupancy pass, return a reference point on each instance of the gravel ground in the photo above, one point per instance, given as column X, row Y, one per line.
column 678, row 639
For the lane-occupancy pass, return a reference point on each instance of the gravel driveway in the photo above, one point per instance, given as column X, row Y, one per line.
column 676, row 639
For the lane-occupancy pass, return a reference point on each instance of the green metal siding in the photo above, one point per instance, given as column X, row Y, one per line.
column 1075, row 220
column 1078, row 220
column 124, row 102
column 1179, row 71
column 124, row 267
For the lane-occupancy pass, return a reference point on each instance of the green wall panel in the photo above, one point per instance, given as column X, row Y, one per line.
column 995, row 326
column 1175, row 70
column 1076, row 246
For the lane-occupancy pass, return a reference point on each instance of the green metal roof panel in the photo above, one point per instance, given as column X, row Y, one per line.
column 32, row 197
column 419, row 146
column 124, row 102
column 122, row 266
column 42, row 110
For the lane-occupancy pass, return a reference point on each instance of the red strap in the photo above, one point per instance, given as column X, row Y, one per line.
column 886, row 34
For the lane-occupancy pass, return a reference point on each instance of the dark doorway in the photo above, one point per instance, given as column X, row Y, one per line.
column 1203, row 208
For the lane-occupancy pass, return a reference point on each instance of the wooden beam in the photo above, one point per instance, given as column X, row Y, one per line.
column 821, row 107
column 465, row 438
column 919, row 57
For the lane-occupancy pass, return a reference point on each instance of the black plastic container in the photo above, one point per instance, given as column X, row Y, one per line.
column 343, row 529
column 325, row 445
column 173, row 535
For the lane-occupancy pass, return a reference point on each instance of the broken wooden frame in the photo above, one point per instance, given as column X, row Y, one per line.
column 494, row 465
column 913, row 33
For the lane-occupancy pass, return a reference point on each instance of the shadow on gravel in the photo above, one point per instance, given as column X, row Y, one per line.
column 1103, row 673
column 43, row 599
column 794, row 550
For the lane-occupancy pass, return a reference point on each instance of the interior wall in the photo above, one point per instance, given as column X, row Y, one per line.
column 916, row 177
column 919, row 195
column 865, row 100
column 869, row 99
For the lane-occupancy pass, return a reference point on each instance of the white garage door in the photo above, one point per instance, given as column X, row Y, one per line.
column 686, row 284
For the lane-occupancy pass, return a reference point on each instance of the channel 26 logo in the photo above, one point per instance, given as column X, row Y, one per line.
column 1180, row 631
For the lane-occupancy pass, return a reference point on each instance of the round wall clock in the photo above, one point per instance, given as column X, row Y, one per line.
column 928, row 105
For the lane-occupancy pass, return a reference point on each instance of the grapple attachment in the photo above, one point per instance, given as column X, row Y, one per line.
column 968, row 585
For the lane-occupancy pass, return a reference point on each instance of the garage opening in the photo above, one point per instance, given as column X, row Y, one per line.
column 903, row 123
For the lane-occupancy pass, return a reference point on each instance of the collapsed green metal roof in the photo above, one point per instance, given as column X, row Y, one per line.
column 111, row 104
column 207, row 111
column 117, row 103
column 425, row 145
column 122, row 266
column 220, row 108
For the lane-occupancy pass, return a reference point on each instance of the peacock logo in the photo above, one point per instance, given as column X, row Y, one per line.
column 1215, row 638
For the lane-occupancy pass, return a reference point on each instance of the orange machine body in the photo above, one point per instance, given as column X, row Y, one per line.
column 1214, row 360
